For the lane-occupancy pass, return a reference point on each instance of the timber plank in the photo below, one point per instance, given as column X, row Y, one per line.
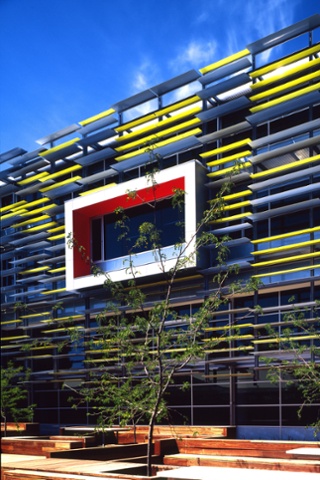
column 183, row 460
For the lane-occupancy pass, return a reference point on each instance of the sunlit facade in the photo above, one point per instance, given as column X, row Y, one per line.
column 257, row 111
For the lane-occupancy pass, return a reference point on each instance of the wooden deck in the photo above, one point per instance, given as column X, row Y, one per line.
column 80, row 462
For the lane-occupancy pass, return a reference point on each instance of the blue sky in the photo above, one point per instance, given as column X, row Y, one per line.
column 65, row 60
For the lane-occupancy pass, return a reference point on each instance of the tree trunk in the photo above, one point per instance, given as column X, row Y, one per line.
column 4, row 426
column 150, row 446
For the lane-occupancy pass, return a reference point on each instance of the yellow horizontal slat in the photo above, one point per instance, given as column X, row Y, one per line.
column 286, row 247
column 226, row 148
column 293, row 258
column 162, row 133
column 287, row 73
column 285, row 339
column 56, row 270
column 16, row 337
column 60, row 184
column 10, row 347
column 99, row 116
column 40, row 201
column 38, row 357
column 232, row 218
column 286, row 235
column 228, row 327
column 235, row 349
column 57, row 290
column 233, row 196
column 230, row 158
column 56, row 237
column 285, row 61
column 10, row 322
column 56, row 229
column 33, row 178
column 287, row 166
column 285, row 98
column 285, row 86
column 158, row 113
column 98, row 189
column 62, row 329
column 62, row 319
column 30, row 220
column 229, row 338
column 233, row 206
column 43, row 226
column 35, row 270
column 282, row 272
column 224, row 61
column 13, row 206
column 73, row 168
column 59, row 147
column 39, row 210
column 235, row 168
column 13, row 214
column 173, row 139
column 31, row 315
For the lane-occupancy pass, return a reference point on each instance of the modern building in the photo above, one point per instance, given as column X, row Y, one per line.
column 257, row 111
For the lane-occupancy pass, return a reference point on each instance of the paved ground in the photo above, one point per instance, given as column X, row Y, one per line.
column 92, row 467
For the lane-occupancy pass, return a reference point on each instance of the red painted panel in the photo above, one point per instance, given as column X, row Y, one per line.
column 81, row 233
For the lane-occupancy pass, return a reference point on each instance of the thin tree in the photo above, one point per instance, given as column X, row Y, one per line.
column 147, row 345
column 14, row 395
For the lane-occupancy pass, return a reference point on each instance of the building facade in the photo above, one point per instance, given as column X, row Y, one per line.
column 255, row 115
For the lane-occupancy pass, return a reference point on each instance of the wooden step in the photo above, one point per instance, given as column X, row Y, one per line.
column 290, row 465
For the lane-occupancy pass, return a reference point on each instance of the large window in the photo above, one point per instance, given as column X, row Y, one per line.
column 109, row 241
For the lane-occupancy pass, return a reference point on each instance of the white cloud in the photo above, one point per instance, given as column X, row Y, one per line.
column 196, row 53
column 145, row 76
column 259, row 18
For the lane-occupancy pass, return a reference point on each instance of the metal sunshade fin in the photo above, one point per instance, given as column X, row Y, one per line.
column 224, row 132
column 97, row 176
column 284, row 210
column 134, row 101
column 96, row 137
column 292, row 193
column 286, row 149
column 64, row 190
column 98, row 125
column 62, row 153
column 14, row 152
column 285, row 34
column 284, row 108
column 58, row 134
column 35, row 246
column 224, row 86
column 32, row 167
column 231, row 228
column 176, row 82
column 224, row 109
column 26, row 157
column 284, row 178
column 225, row 71
column 287, row 133
column 96, row 156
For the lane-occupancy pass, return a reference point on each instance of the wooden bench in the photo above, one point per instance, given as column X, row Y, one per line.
column 270, row 455
column 243, row 448
column 37, row 446
column 20, row 428
column 180, row 431
column 86, row 441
